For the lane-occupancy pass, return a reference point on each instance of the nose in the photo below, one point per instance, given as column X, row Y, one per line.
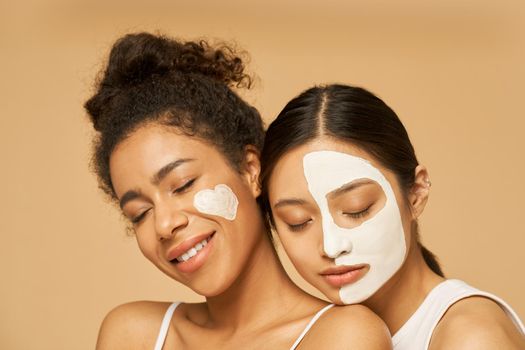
column 335, row 245
column 168, row 221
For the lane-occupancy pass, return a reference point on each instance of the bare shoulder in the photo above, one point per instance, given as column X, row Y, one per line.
column 350, row 327
column 132, row 325
column 476, row 323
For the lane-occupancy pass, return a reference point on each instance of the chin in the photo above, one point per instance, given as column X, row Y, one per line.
column 337, row 302
column 332, row 296
column 209, row 293
column 335, row 299
column 210, row 288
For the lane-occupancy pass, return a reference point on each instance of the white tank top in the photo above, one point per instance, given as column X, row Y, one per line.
column 161, row 338
column 416, row 333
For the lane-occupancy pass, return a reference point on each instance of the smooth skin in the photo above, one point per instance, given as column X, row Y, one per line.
column 472, row 323
column 250, row 301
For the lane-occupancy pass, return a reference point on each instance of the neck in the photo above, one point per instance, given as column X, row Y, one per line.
column 400, row 297
column 262, row 289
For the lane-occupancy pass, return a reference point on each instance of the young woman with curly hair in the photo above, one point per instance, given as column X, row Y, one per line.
column 178, row 151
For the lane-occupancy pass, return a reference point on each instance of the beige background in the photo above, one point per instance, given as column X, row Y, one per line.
column 453, row 70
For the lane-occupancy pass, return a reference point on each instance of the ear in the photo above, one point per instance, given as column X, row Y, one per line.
column 419, row 192
column 252, row 169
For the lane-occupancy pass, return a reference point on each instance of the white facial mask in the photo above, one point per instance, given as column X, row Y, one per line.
column 220, row 201
column 378, row 242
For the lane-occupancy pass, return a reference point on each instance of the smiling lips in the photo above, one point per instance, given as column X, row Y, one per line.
column 192, row 251
column 342, row 275
column 191, row 254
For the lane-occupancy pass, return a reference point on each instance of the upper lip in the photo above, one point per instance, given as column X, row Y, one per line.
column 187, row 244
column 337, row 270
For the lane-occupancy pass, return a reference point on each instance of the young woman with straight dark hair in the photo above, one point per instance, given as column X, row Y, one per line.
column 343, row 188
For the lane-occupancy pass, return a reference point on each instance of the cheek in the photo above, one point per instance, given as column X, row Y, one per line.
column 220, row 201
column 408, row 223
column 301, row 248
column 249, row 218
column 146, row 246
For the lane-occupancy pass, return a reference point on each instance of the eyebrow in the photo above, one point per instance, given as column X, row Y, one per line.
column 349, row 187
column 166, row 169
column 129, row 196
column 289, row 201
column 156, row 179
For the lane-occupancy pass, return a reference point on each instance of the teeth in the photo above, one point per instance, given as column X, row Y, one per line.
column 192, row 251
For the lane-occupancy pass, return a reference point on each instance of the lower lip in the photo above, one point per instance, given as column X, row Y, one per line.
column 196, row 262
column 339, row 280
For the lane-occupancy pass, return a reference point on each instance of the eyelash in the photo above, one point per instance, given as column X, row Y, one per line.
column 184, row 187
column 137, row 219
column 298, row 227
column 359, row 214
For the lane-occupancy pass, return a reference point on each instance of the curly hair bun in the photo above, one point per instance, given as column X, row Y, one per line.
column 135, row 57
column 140, row 57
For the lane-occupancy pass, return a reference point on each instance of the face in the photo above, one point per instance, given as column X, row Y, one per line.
column 342, row 221
column 193, row 214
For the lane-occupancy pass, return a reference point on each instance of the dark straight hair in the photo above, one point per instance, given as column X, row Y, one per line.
column 347, row 113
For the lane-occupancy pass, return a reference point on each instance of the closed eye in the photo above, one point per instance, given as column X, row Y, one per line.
column 299, row 227
column 358, row 214
column 184, row 187
column 137, row 219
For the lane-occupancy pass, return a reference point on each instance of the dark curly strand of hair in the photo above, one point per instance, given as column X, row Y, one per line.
column 187, row 85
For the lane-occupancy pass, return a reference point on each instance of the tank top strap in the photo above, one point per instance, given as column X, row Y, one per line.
column 413, row 334
column 161, row 338
column 310, row 324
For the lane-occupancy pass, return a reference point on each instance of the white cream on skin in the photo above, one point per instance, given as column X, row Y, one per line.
column 378, row 242
column 221, row 201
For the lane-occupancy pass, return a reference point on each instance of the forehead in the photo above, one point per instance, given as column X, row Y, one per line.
column 326, row 171
column 348, row 159
column 149, row 148
column 151, row 138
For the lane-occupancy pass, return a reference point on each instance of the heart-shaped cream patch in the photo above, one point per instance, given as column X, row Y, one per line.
column 220, row 201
